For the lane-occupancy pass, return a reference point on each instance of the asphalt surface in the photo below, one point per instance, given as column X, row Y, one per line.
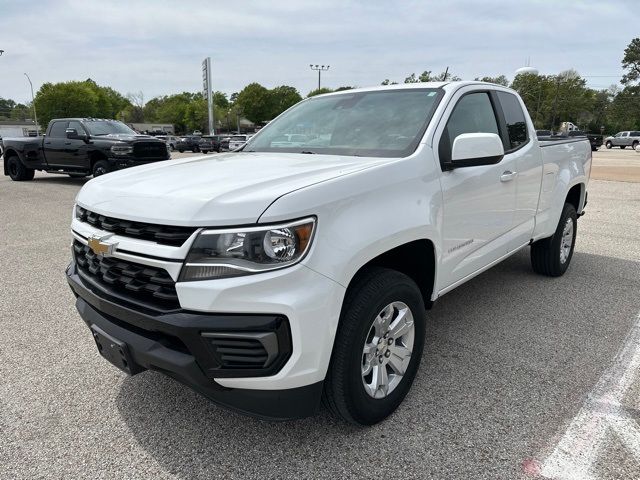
column 510, row 360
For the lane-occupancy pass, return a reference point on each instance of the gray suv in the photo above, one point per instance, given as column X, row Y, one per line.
column 623, row 139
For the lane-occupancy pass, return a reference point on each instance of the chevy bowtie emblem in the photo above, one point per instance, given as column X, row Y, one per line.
column 100, row 246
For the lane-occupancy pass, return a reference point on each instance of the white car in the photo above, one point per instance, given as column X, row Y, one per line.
column 275, row 276
column 238, row 141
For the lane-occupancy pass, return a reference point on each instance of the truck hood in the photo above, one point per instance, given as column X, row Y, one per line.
column 221, row 190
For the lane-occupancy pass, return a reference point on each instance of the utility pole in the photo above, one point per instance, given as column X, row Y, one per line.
column 320, row 69
column 33, row 103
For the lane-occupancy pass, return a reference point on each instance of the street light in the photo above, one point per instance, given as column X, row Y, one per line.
column 33, row 102
column 320, row 69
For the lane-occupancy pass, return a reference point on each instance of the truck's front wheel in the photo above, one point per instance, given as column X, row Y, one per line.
column 100, row 168
column 608, row 145
column 551, row 256
column 378, row 347
column 17, row 171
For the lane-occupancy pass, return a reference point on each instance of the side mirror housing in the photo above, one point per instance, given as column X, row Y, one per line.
column 475, row 149
column 72, row 134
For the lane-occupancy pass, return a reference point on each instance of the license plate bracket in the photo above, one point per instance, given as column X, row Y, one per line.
column 115, row 351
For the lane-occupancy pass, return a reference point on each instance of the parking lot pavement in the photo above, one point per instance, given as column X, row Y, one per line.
column 616, row 164
column 522, row 375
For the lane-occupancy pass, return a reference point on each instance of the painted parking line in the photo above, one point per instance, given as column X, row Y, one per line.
column 601, row 417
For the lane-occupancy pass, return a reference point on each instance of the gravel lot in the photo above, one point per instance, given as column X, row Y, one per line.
column 509, row 361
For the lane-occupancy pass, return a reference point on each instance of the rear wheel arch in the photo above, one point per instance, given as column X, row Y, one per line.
column 575, row 196
column 9, row 152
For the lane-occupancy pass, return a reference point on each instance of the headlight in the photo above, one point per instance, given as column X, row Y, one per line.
column 122, row 149
column 231, row 253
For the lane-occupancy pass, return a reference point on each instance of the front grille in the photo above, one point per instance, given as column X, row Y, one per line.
column 150, row 150
column 135, row 282
column 163, row 234
column 244, row 350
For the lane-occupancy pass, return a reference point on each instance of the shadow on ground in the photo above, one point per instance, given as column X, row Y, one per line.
column 509, row 356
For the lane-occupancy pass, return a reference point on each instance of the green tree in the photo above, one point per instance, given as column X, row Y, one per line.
column 282, row 98
column 67, row 99
column 499, row 80
column 255, row 102
column 319, row 91
column 631, row 62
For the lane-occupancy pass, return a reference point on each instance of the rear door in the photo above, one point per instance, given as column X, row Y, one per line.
column 520, row 149
column 55, row 143
column 479, row 201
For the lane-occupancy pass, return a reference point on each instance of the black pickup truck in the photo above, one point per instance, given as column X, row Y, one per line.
column 80, row 147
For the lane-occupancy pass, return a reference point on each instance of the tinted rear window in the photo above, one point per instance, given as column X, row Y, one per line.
column 515, row 119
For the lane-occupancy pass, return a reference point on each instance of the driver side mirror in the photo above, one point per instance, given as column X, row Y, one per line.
column 72, row 134
column 475, row 149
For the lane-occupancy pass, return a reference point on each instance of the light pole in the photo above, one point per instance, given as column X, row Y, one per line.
column 320, row 69
column 33, row 103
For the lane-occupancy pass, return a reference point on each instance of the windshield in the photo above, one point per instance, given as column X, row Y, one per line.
column 386, row 123
column 106, row 127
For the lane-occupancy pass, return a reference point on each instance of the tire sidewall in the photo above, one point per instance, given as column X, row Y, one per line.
column 364, row 408
column 13, row 163
column 568, row 211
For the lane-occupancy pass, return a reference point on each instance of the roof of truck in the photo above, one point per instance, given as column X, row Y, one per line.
column 410, row 86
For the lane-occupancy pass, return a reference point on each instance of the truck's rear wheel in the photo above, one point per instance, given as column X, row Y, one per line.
column 622, row 147
column 17, row 171
column 551, row 256
column 378, row 347
column 100, row 168
column 635, row 145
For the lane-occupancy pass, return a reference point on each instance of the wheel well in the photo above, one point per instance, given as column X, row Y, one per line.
column 574, row 196
column 415, row 259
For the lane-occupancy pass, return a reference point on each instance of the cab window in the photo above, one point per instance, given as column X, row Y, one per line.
column 58, row 130
column 472, row 114
column 515, row 121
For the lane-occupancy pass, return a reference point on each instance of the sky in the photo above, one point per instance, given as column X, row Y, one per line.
column 157, row 47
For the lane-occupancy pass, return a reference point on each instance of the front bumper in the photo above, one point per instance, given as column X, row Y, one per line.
column 173, row 343
column 120, row 162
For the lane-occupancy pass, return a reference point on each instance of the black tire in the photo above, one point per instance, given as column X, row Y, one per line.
column 17, row 171
column 181, row 151
column 546, row 257
column 344, row 391
column 608, row 145
column 205, row 151
column 77, row 175
column 172, row 147
column 635, row 145
column 622, row 147
column 100, row 168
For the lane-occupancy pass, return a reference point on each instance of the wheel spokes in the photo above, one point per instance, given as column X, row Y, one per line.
column 399, row 359
column 402, row 324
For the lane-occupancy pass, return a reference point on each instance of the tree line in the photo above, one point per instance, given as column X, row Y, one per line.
column 550, row 99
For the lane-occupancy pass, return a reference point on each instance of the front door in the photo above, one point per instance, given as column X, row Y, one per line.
column 479, row 201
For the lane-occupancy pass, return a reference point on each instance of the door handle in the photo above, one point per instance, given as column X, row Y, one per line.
column 508, row 176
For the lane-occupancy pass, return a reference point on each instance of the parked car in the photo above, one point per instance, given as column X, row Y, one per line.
column 170, row 140
column 79, row 147
column 594, row 140
column 237, row 141
column 279, row 275
column 224, row 142
column 209, row 143
column 623, row 140
column 190, row 142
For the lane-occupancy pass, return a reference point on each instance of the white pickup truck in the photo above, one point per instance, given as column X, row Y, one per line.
column 269, row 278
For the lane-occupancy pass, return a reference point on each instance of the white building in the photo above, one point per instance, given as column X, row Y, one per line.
column 17, row 128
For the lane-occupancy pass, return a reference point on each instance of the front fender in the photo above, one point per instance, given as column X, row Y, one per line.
column 367, row 213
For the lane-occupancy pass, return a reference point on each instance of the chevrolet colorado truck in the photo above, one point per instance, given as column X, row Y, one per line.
column 273, row 277
column 80, row 147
